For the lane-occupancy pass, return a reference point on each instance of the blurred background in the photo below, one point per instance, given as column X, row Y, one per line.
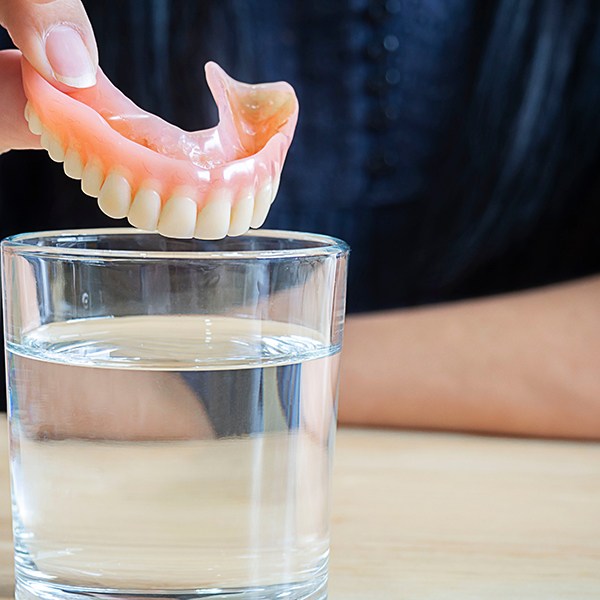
column 454, row 144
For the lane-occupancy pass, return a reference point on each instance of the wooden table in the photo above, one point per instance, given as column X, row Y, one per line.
column 423, row 516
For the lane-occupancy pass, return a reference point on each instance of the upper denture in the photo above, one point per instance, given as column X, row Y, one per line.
column 204, row 184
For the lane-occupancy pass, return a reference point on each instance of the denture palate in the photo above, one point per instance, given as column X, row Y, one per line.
column 205, row 184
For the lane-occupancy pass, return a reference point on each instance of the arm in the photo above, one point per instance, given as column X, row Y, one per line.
column 525, row 363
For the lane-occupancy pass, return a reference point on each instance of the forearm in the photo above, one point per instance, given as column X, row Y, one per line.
column 525, row 363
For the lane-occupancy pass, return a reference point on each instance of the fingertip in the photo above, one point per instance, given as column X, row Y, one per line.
column 56, row 38
column 69, row 57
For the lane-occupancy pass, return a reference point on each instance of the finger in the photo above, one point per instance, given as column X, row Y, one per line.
column 14, row 132
column 56, row 37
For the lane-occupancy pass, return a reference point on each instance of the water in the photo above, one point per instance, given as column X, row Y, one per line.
column 172, row 455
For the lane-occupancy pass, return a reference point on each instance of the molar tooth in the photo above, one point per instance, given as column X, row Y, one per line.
column 53, row 146
column 73, row 165
column 145, row 209
column 115, row 196
column 262, row 203
column 92, row 178
column 213, row 220
column 241, row 212
column 178, row 217
column 35, row 125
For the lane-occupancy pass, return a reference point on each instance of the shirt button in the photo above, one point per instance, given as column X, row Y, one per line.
column 381, row 119
column 391, row 113
column 393, row 6
column 391, row 159
column 383, row 163
column 392, row 76
column 358, row 5
column 375, row 50
column 391, row 43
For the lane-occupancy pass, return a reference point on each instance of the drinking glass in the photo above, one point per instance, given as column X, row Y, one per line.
column 172, row 410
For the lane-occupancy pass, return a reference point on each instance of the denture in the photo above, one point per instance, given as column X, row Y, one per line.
column 205, row 184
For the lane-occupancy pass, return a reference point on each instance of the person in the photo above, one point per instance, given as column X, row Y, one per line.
column 454, row 145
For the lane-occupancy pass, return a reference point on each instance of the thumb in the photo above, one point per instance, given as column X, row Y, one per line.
column 56, row 37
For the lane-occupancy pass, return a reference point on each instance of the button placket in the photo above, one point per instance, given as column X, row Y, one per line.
column 381, row 50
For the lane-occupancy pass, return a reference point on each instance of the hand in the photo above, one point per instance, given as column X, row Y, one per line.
column 56, row 37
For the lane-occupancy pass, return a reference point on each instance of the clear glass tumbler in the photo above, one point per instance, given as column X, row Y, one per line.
column 172, row 411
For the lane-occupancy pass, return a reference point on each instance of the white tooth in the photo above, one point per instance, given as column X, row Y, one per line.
column 92, row 179
column 54, row 147
column 241, row 212
column 145, row 209
column 115, row 196
column 56, row 151
column 276, row 181
column 262, row 203
column 213, row 220
column 45, row 139
column 73, row 165
column 178, row 217
column 35, row 125
column 27, row 111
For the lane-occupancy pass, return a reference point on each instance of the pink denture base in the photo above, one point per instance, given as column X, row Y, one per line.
column 243, row 150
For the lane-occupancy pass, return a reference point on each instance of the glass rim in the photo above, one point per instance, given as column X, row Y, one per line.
column 23, row 243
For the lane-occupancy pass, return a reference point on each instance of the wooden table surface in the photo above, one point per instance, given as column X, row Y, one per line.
column 424, row 516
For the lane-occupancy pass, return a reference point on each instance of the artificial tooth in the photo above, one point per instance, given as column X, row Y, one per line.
column 35, row 125
column 145, row 209
column 178, row 217
column 276, row 181
column 53, row 146
column 56, row 151
column 92, row 179
column 45, row 139
column 262, row 203
column 115, row 196
column 213, row 220
column 73, row 165
column 241, row 212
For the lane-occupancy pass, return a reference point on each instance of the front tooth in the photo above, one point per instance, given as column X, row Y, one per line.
column 27, row 111
column 92, row 178
column 241, row 212
column 276, row 181
column 115, row 196
column 178, row 217
column 56, row 151
column 35, row 125
column 145, row 209
column 262, row 203
column 213, row 219
column 54, row 147
column 73, row 165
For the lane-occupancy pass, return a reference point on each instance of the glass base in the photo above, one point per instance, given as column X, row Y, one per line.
column 32, row 584
column 35, row 590
column 315, row 589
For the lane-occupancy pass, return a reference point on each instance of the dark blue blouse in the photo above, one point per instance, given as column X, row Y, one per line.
column 454, row 144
